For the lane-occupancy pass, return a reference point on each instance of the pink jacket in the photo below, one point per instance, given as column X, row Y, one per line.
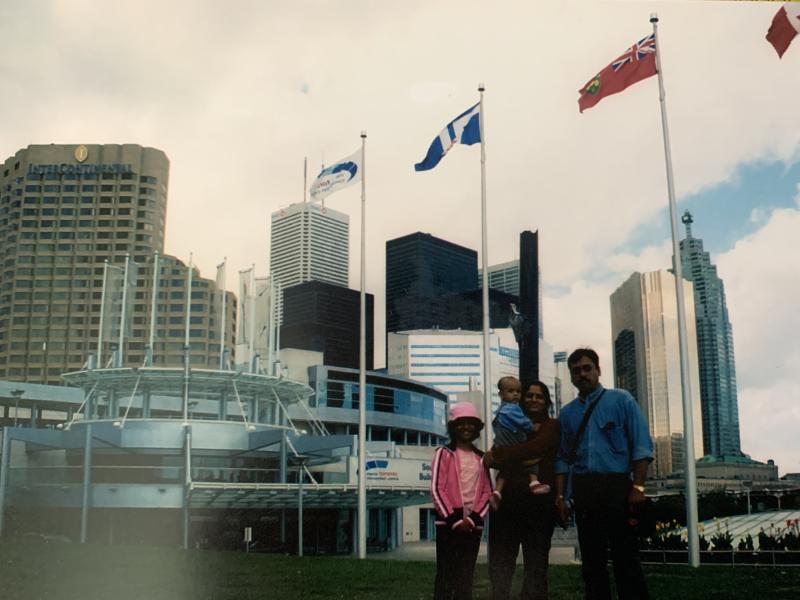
column 446, row 490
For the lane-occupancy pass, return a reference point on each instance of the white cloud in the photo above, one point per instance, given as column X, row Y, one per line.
column 762, row 283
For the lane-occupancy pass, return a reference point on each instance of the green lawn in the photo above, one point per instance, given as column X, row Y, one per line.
column 35, row 570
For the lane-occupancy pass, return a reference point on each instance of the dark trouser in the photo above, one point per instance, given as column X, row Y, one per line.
column 601, row 513
column 456, row 554
column 526, row 520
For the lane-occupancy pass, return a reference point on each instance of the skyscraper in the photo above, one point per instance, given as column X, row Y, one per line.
column 718, row 396
column 644, row 334
column 325, row 318
column 420, row 270
column 309, row 242
column 64, row 211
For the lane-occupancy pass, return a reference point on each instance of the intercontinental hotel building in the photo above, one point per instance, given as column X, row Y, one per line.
column 64, row 211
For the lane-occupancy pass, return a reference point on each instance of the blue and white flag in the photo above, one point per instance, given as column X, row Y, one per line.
column 339, row 175
column 464, row 129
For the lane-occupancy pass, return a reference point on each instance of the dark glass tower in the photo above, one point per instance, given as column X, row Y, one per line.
column 718, row 398
column 421, row 270
column 529, row 304
column 325, row 318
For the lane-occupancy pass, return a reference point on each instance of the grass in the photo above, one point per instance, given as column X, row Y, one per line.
column 40, row 571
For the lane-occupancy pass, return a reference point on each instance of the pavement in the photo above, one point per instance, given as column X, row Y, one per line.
column 426, row 551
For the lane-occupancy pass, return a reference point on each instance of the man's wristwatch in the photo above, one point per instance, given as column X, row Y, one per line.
column 638, row 487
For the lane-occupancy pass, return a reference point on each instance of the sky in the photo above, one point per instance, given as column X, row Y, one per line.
column 237, row 94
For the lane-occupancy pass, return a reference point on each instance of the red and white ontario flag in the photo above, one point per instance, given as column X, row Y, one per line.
column 785, row 26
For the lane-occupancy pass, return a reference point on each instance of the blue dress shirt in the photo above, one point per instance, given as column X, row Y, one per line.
column 615, row 436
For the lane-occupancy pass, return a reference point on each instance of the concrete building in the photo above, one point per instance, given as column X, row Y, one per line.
column 563, row 390
column 718, row 395
column 644, row 333
column 503, row 277
column 309, row 242
column 450, row 360
column 64, row 211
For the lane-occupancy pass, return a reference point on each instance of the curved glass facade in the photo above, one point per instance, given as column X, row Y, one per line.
column 398, row 409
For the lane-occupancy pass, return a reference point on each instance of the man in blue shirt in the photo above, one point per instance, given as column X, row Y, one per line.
column 609, row 466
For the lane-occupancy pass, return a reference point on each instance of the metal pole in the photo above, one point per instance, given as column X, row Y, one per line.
column 688, row 424
column 102, row 316
column 187, row 490
column 5, row 464
column 121, row 345
column 362, row 373
column 487, row 360
column 300, row 478
column 87, row 481
column 252, row 334
column 153, row 311
column 187, row 349
column 223, row 315
column 188, row 301
column 271, row 327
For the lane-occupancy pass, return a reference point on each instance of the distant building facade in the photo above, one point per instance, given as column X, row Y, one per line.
column 503, row 277
column 644, row 334
column 718, row 395
column 65, row 209
column 420, row 270
column 325, row 318
column 450, row 360
column 309, row 242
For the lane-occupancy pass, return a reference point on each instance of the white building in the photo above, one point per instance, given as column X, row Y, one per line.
column 644, row 333
column 451, row 360
column 503, row 277
column 309, row 242
column 564, row 391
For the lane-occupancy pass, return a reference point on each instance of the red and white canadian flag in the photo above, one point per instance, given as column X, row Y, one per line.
column 785, row 26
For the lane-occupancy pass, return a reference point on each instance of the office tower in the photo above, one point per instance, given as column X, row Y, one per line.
column 530, row 305
column 464, row 310
column 644, row 333
column 503, row 277
column 325, row 318
column 718, row 395
column 65, row 210
column 563, row 390
column 309, row 242
column 420, row 270
column 451, row 360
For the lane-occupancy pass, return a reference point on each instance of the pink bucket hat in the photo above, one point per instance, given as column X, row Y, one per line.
column 463, row 410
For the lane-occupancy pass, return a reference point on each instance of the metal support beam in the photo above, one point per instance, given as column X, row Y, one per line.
column 87, row 481
column 5, row 464
column 300, row 478
column 187, row 484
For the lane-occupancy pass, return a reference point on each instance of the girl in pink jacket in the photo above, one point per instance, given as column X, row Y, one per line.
column 461, row 488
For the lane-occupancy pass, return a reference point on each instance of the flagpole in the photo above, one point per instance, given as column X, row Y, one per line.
column 223, row 302
column 487, row 384
column 688, row 424
column 121, row 344
column 153, row 310
column 362, row 368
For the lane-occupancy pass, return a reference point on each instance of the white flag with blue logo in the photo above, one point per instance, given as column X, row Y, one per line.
column 339, row 175
column 464, row 129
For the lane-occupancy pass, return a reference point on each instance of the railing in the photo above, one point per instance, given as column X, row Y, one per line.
column 725, row 557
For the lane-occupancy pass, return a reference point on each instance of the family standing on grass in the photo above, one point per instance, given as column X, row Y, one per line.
column 590, row 462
